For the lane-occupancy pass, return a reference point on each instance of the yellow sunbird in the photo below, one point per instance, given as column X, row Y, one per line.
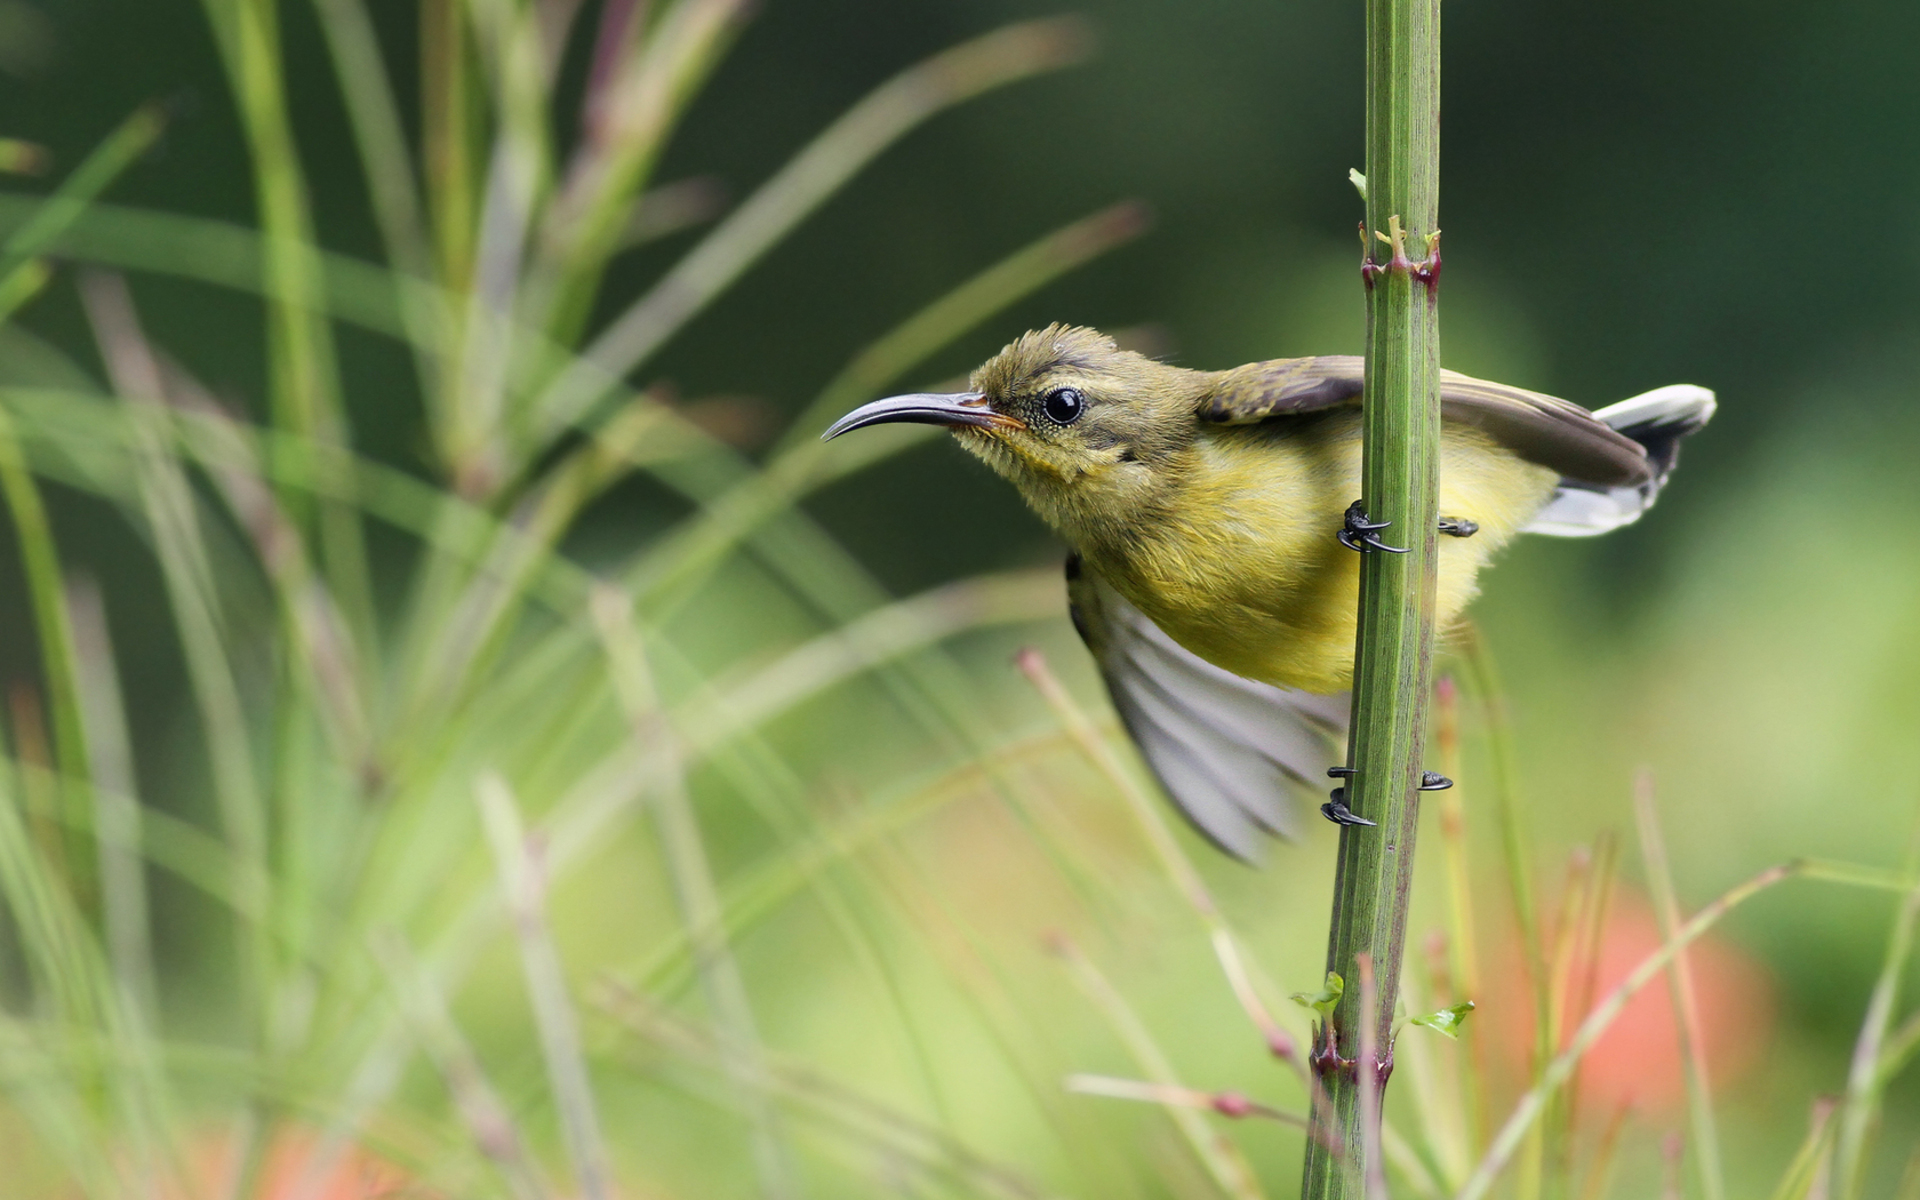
column 1212, row 522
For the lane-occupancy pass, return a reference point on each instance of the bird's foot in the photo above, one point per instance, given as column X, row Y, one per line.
column 1336, row 810
column 1360, row 532
column 1430, row 782
column 1459, row 527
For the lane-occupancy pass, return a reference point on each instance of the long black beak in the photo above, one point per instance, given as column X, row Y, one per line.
column 926, row 408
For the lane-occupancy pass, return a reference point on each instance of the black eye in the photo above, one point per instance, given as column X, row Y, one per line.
column 1064, row 405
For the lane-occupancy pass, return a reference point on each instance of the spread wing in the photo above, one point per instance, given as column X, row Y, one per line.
column 1541, row 429
column 1228, row 750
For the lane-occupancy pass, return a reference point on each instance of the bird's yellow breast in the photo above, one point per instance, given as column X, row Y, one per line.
column 1243, row 568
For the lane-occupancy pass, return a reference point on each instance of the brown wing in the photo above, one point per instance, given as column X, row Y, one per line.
column 1540, row 429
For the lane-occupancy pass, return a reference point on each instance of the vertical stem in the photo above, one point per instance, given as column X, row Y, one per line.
column 1393, row 655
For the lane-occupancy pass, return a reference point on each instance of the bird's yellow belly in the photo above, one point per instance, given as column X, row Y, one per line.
column 1248, row 573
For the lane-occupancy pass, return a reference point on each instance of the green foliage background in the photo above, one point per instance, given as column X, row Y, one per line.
column 1633, row 195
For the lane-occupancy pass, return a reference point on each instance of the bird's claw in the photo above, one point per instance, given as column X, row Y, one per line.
column 1459, row 527
column 1336, row 810
column 1430, row 782
column 1362, row 533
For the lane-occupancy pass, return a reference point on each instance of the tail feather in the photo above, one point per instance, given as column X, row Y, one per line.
column 1657, row 420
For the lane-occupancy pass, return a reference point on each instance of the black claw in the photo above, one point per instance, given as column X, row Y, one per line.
column 1458, row 527
column 1336, row 810
column 1360, row 532
column 1341, row 772
column 1430, row 782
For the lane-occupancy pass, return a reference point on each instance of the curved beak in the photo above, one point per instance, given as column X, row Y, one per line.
column 926, row 408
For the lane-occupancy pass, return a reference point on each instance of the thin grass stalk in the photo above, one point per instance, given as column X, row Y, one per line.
column 1909, row 1186
column 447, row 137
column 486, row 1116
column 303, row 385
column 955, row 75
column 1400, row 485
column 19, row 286
column 1809, row 1162
column 381, row 140
column 523, row 877
column 1463, row 955
column 640, row 88
column 1433, row 1072
column 979, row 975
column 1527, row 1111
column 1514, row 845
column 685, row 852
column 1216, row 1154
column 1599, row 1177
column 877, row 1126
column 1860, row 1108
column 53, row 216
column 114, row 1084
column 169, row 504
column 40, row 563
column 472, row 434
column 116, row 810
column 1589, row 948
column 1686, row 1003
column 1562, row 935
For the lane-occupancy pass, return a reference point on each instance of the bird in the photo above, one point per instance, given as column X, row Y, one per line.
column 1211, row 522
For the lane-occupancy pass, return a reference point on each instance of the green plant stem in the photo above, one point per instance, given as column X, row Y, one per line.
column 1393, row 656
column 1686, row 1007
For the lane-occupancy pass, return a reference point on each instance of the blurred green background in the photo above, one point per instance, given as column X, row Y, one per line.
column 1633, row 194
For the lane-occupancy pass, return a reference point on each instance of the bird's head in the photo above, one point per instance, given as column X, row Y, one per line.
column 1086, row 430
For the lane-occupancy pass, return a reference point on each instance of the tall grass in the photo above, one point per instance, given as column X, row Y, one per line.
column 692, row 865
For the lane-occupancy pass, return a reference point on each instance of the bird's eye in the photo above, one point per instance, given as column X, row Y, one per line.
column 1064, row 405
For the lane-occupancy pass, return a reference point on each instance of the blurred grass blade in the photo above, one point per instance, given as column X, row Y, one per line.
column 1230, row 1104
column 641, row 86
column 523, row 881
column 885, row 634
column 1557, row 1070
column 692, row 878
column 485, row 1115
column 381, row 139
column 448, row 110
column 1860, row 1108
column 171, row 512
column 873, row 124
column 54, row 215
column 378, row 133
column 40, row 563
column 303, row 384
column 19, row 286
column 1686, row 1002
column 1216, row 1153
column 875, row 1126
column 1811, row 1162
column 116, row 810
column 1462, row 936
column 325, row 655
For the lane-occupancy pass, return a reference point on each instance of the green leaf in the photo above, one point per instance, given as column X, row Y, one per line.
column 1327, row 1000
column 1447, row 1020
column 1359, row 182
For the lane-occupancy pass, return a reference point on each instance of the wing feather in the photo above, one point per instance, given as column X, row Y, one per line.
column 1229, row 751
column 1540, row 428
